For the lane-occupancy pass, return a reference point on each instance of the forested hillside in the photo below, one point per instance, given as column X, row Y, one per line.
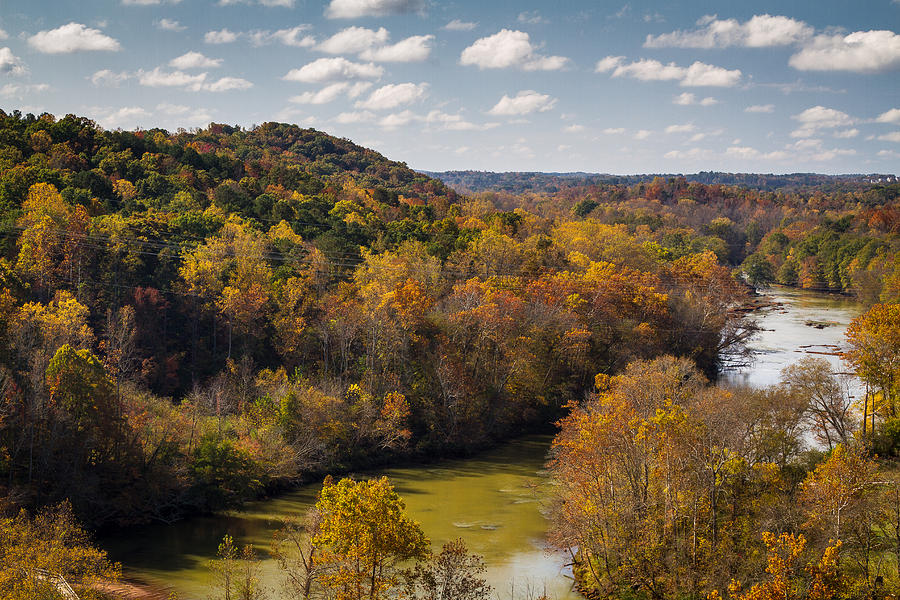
column 190, row 319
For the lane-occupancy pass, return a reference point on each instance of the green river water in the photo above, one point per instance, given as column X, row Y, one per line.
column 494, row 501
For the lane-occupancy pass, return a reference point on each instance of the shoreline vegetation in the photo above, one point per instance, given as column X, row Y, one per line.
column 189, row 320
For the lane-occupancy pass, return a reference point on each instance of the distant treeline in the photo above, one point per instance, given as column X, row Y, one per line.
column 539, row 182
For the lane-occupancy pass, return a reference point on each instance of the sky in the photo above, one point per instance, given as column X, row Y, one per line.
column 672, row 86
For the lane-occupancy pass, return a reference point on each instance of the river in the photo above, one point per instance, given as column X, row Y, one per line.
column 494, row 501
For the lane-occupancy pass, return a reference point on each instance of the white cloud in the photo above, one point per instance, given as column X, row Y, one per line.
column 354, row 40
column 748, row 153
column 185, row 115
column 642, row 134
column 457, row 25
column 159, row 78
column 891, row 116
column 3, row 35
column 195, row 83
column 395, row 120
column 128, row 116
column 347, row 118
column 761, row 31
column 10, row 64
column 106, row 77
column 353, row 9
column 373, row 45
column 613, row 131
column 172, row 109
column 72, row 37
column 701, row 74
column 604, row 65
column 170, row 25
column 689, row 99
column 332, row 92
column 682, row 154
column 333, row 69
column 394, row 95
column 413, row 49
column 294, row 37
column 11, row 90
column 819, row 117
column 760, row 108
column 573, row 129
column 509, row 48
column 195, row 60
column 860, row 51
column 894, row 136
column 524, row 103
column 697, row 75
column 449, row 122
column 531, row 18
column 222, row 36
column 226, row 84
column 846, row 134
column 685, row 128
column 148, row 2
column 697, row 137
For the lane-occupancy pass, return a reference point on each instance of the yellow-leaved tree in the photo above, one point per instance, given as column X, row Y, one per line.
column 362, row 536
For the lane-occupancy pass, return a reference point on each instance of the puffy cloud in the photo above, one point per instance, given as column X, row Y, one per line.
column 106, row 77
column 524, row 103
column 195, row 83
column 195, row 60
column 613, row 131
column 508, row 48
column 860, row 51
column 394, row 95
column 14, row 90
column 413, row 49
column 396, row 120
column 605, row 65
column 159, row 78
column 457, row 25
column 222, row 36
column 697, row 75
column 347, row 118
column 170, row 25
column 3, row 35
column 692, row 153
column 295, row 37
column 10, row 64
column 701, row 74
column 846, row 134
column 72, row 37
column 334, row 69
column 819, row 117
column 573, row 128
column 128, row 116
column 689, row 99
column 449, row 122
column 761, row 31
column 891, row 116
column 332, row 92
column 685, row 128
column 760, row 108
column 354, row 40
column 642, row 134
column 894, row 136
column 749, row 153
column 226, row 84
column 373, row 45
column 352, row 9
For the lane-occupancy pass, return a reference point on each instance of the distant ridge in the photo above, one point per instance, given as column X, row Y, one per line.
column 518, row 182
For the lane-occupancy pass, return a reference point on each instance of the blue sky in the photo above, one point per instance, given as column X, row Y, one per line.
column 618, row 87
